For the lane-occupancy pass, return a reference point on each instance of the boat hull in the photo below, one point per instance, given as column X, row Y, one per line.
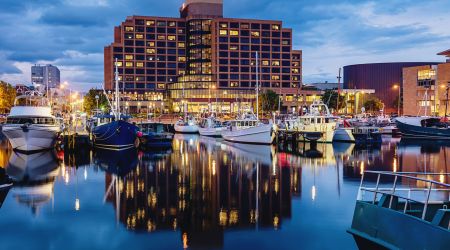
column 190, row 129
column 117, row 135
column 263, row 134
column 414, row 131
column 211, row 132
column 34, row 137
column 343, row 135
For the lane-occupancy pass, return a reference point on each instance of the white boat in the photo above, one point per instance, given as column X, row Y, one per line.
column 31, row 126
column 211, row 127
column 249, row 130
column 186, row 126
column 343, row 135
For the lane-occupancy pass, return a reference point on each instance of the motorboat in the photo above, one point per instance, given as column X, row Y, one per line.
column 391, row 215
column 316, row 125
column 249, row 129
column 154, row 136
column 367, row 135
column 30, row 126
column 211, row 127
column 116, row 133
column 423, row 127
column 188, row 125
column 343, row 132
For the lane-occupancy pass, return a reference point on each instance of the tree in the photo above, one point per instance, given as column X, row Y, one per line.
column 373, row 104
column 90, row 102
column 330, row 98
column 7, row 96
column 268, row 101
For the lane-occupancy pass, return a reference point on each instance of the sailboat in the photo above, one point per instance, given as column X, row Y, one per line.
column 117, row 134
column 249, row 129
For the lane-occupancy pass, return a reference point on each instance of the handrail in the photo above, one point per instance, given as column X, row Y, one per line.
column 410, row 177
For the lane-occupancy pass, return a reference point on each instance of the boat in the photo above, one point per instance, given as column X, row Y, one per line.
column 31, row 126
column 154, row 136
column 116, row 133
column 402, row 211
column 343, row 132
column 249, row 129
column 316, row 125
column 188, row 125
column 367, row 135
column 211, row 127
column 423, row 127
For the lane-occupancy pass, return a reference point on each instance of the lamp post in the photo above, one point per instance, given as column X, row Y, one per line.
column 96, row 98
column 397, row 86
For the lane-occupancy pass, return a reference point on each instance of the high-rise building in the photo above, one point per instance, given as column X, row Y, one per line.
column 202, row 57
column 44, row 76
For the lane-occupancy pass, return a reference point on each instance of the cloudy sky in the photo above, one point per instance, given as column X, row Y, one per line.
column 72, row 33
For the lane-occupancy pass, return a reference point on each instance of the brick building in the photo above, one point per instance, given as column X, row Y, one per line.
column 425, row 88
column 202, row 57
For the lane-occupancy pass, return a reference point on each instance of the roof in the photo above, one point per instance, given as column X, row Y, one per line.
column 444, row 53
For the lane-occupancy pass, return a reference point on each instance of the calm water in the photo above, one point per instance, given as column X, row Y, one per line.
column 204, row 193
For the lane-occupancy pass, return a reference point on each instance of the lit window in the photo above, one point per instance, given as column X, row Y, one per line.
column 139, row 64
column 294, row 70
column 275, row 77
column 161, row 86
column 150, row 51
column 255, row 33
column 234, row 33
column 161, row 37
column 223, row 25
column 129, row 28
column 234, row 84
column 120, row 78
column 172, row 24
column 181, row 45
column 182, row 59
column 233, row 47
column 119, row 64
column 285, row 42
column 265, row 63
column 171, row 38
column 128, row 57
column 150, row 23
column 151, row 44
column 275, row 63
column 295, row 64
column 223, row 32
column 181, row 72
column 139, row 36
column 276, row 27
column 295, row 78
column 129, row 64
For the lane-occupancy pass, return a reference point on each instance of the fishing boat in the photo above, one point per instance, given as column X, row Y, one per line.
column 187, row 125
column 433, row 128
column 402, row 211
column 116, row 134
column 211, row 127
column 31, row 126
column 154, row 136
column 367, row 135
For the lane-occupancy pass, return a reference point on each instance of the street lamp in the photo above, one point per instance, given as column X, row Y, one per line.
column 96, row 98
column 397, row 86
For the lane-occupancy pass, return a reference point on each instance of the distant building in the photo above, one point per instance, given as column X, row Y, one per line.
column 425, row 88
column 382, row 77
column 323, row 85
column 45, row 76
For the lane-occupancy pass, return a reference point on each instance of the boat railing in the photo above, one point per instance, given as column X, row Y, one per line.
column 428, row 187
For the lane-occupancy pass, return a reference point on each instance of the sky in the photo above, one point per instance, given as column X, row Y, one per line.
column 71, row 34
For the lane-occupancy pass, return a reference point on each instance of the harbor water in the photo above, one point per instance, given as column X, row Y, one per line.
column 202, row 194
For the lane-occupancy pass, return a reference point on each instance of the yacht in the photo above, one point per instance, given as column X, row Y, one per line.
column 211, row 127
column 188, row 125
column 249, row 129
column 31, row 126
column 424, row 127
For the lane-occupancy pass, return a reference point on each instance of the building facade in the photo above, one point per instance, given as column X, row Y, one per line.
column 203, row 58
column 384, row 78
column 45, row 76
column 425, row 88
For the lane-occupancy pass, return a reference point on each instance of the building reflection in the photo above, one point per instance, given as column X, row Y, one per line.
column 33, row 176
column 203, row 188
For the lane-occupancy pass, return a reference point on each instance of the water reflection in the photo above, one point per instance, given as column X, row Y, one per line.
column 34, row 177
column 203, row 188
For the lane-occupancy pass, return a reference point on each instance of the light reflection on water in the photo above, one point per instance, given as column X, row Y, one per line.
column 204, row 193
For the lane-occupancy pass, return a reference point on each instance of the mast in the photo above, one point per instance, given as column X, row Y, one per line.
column 257, row 87
column 339, row 91
column 117, row 102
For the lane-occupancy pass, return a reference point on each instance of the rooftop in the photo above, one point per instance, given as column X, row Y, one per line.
column 445, row 53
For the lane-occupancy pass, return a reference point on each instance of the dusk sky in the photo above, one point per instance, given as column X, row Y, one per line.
column 71, row 34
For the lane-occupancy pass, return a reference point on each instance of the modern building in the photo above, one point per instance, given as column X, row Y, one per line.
column 202, row 57
column 425, row 88
column 45, row 76
column 384, row 78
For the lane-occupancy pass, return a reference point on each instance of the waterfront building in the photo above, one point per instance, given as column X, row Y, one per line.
column 45, row 76
column 202, row 57
column 425, row 88
column 384, row 78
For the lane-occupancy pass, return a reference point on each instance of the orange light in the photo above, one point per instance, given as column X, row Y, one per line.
column 395, row 86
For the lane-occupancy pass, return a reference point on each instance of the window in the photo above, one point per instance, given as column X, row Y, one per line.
column 286, row 42
column 234, row 33
column 150, row 23
column 172, row 24
column 129, row 64
column 161, row 23
column 295, row 71
column 119, row 64
column 234, row 47
column 182, row 59
column 265, row 63
column 223, row 25
column 255, row 33
column 171, row 38
column 161, row 37
column 128, row 57
column 129, row 28
column 234, row 84
column 276, row 27
column 181, row 45
column 139, row 36
column 223, row 32
column 275, row 63
column 139, row 64
column 275, row 77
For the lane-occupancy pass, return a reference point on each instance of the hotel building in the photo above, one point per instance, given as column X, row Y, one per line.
column 425, row 88
column 201, row 58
